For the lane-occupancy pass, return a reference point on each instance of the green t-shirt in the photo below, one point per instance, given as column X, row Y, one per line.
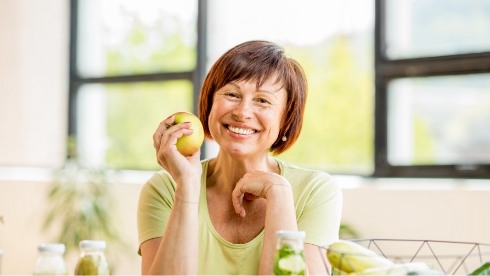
column 317, row 200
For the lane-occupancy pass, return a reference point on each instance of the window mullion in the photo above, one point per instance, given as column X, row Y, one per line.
column 138, row 78
column 449, row 65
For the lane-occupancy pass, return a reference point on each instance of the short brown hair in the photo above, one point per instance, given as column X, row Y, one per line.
column 259, row 60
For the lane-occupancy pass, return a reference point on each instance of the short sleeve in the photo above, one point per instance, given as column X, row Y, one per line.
column 154, row 205
column 320, row 209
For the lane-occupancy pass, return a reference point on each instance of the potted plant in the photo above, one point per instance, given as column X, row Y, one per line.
column 81, row 205
column 346, row 231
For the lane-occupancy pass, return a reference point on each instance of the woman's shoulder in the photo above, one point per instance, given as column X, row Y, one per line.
column 314, row 182
column 289, row 169
column 307, row 179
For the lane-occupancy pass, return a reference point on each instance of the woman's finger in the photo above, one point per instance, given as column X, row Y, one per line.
column 162, row 127
column 237, row 200
column 166, row 148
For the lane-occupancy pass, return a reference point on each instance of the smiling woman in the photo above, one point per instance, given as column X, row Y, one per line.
column 237, row 72
column 224, row 208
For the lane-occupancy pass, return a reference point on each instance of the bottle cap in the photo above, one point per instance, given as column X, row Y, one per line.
column 92, row 245
column 52, row 247
column 290, row 234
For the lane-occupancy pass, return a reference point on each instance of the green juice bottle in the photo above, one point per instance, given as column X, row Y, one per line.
column 289, row 258
column 92, row 259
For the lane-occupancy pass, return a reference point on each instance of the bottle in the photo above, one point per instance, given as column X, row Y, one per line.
column 50, row 260
column 92, row 260
column 289, row 258
column 1, row 254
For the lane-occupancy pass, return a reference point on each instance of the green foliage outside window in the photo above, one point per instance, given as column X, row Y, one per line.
column 133, row 114
column 337, row 134
column 424, row 148
column 138, row 55
column 134, row 110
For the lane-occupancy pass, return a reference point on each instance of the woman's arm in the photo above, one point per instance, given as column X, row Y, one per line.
column 280, row 213
column 177, row 251
column 315, row 260
column 321, row 220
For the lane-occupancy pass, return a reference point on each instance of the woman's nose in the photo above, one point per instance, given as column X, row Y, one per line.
column 243, row 110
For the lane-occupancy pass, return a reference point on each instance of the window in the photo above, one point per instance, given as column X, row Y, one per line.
column 432, row 88
column 137, row 61
column 133, row 63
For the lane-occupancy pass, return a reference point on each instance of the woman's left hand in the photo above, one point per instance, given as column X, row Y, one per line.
column 256, row 184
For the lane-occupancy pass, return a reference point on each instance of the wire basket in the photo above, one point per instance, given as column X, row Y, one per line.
column 448, row 257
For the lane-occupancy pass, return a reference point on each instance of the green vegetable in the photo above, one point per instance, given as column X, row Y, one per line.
column 482, row 270
column 289, row 262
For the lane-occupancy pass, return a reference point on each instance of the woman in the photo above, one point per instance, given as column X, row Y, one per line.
column 220, row 215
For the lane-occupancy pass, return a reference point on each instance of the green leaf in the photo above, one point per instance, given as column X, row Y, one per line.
column 482, row 270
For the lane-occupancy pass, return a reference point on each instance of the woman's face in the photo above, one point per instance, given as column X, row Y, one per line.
column 245, row 120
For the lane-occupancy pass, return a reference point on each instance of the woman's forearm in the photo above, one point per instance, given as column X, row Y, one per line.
column 179, row 247
column 280, row 215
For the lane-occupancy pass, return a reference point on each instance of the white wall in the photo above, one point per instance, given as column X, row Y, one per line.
column 445, row 209
column 33, row 81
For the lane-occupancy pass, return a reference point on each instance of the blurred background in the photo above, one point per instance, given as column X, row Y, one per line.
column 398, row 111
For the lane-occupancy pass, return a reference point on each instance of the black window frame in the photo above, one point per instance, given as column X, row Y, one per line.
column 387, row 70
column 196, row 76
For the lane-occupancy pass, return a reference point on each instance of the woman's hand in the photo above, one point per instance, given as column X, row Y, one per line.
column 165, row 140
column 280, row 211
column 255, row 185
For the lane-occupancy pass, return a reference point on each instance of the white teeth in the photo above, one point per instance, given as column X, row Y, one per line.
column 244, row 131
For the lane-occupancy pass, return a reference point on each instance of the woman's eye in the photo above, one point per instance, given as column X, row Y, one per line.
column 263, row 101
column 231, row 95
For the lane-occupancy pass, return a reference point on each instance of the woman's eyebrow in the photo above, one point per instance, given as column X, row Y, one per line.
column 259, row 90
column 234, row 84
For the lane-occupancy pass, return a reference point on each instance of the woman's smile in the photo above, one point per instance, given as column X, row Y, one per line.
column 241, row 130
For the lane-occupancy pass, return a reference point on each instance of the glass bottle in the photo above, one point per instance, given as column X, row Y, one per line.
column 1, row 254
column 289, row 258
column 92, row 260
column 50, row 260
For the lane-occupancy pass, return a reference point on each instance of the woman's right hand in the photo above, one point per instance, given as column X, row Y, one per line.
column 168, row 157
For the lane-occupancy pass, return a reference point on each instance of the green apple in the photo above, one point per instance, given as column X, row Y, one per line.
column 189, row 144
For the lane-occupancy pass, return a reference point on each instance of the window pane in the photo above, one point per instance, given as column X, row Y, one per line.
column 422, row 28
column 116, row 122
column 439, row 120
column 333, row 43
column 120, row 37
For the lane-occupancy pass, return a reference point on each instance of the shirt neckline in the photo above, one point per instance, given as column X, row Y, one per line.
column 207, row 218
